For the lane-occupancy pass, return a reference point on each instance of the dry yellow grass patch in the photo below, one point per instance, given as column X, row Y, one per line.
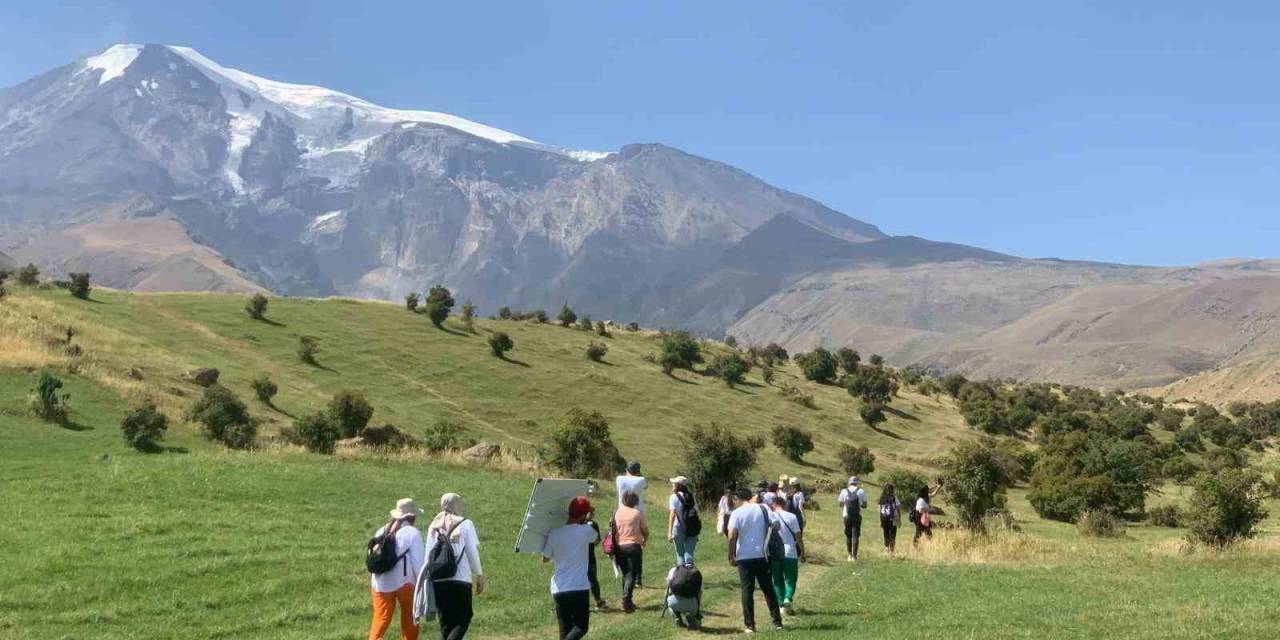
column 954, row 546
column 1268, row 547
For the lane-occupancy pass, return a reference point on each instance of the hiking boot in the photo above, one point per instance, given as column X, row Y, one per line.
column 601, row 605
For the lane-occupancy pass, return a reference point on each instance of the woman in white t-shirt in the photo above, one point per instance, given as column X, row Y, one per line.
column 923, row 521
column 681, row 508
column 453, row 595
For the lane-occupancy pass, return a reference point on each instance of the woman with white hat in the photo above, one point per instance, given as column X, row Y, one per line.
column 683, row 522
column 395, row 585
column 453, row 594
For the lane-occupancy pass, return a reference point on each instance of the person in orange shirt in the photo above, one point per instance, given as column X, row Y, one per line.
column 632, row 535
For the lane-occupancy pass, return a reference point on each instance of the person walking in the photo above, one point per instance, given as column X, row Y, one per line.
column 890, row 516
column 632, row 481
column 453, row 595
column 786, row 570
column 750, row 528
column 683, row 522
column 593, row 576
column 922, row 520
column 723, row 509
column 568, row 547
column 633, row 534
column 395, row 585
column 795, row 500
column 852, row 501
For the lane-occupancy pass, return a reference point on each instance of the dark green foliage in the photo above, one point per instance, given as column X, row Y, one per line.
column 1099, row 523
column 79, row 285
column 438, row 304
column 469, row 316
column 798, row 395
column 818, row 365
column 566, row 317
column 872, row 385
column 504, row 313
column 872, row 414
column 633, row 326
column 907, row 484
column 351, row 412
column 1188, row 439
column 256, row 307
column 1170, row 419
column 1226, row 458
column 791, row 442
column 264, row 388
column 318, row 432
column 602, row 329
column 223, row 418
column 679, row 351
column 976, row 475
column 411, row 301
column 982, row 407
column 308, row 347
column 1166, row 516
column 770, row 354
column 596, row 351
column 1225, row 507
column 912, row 375
column 1180, row 469
column 1238, row 408
column 856, row 460
column 849, row 359
column 28, row 276
column 952, row 383
column 500, row 343
column 876, row 360
column 446, row 435
column 580, row 446
column 143, row 428
column 585, row 323
column 4, row 275
column 732, row 369
column 715, row 458
column 46, row 404
column 929, row 387
column 731, row 342
column 1089, row 471
column 540, row 316
column 1263, row 420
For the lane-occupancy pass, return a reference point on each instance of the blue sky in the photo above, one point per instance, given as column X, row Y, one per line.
column 1142, row 133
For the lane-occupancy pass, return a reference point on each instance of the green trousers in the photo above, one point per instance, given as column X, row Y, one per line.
column 785, row 573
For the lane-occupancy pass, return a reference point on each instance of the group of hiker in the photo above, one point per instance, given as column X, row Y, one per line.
column 433, row 576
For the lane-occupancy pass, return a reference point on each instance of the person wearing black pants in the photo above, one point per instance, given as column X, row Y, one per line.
column 852, row 500
column 592, row 575
column 629, row 558
column 750, row 574
column 453, row 600
column 853, row 534
column 573, row 611
column 750, row 527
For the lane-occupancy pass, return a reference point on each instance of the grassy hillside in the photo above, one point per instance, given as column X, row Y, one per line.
column 204, row 543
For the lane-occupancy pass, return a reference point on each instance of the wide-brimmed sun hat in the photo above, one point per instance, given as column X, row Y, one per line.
column 405, row 507
column 679, row 480
column 854, row 480
column 795, row 482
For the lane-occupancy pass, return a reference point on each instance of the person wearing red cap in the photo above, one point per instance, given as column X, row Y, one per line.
column 568, row 547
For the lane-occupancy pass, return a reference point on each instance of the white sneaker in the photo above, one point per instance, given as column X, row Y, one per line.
column 748, row 630
column 849, row 559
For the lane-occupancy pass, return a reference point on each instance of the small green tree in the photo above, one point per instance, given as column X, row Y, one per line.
column 872, row 414
column 28, row 276
column 79, row 286
column 976, row 475
column 540, row 316
column 856, row 460
column 566, row 317
column 1180, row 469
column 585, row 323
column 679, row 351
column 504, row 313
column 602, row 329
column 318, row 432
column 872, row 385
column 732, row 369
column 4, row 275
column 849, row 359
column 716, row 458
column 350, row 412
column 731, row 342
column 144, row 427
column 791, row 442
column 308, row 347
column 876, row 360
column 500, row 343
column 446, row 435
column 411, row 301
column 469, row 316
column 580, row 446
column 256, row 307
column 1225, row 507
column 596, row 351
column 264, row 388
column 438, row 304
column 952, row 383
column 46, row 403
column 818, row 365
column 224, row 418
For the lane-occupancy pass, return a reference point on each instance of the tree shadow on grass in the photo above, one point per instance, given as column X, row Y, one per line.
column 153, row 448
column 453, row 332
column 901, row 414
column 813, row 465
column 323, row 367
column 514, row 361
column 891, row 434
column 673, row 376
column 273, row 407
column 748, row 383
column 72, row 425
column 273, row 322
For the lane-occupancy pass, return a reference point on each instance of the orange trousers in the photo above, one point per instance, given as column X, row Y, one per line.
column 384, row 607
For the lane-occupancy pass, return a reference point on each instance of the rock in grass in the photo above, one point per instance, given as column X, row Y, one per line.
column 482, row 452
column 202, row 376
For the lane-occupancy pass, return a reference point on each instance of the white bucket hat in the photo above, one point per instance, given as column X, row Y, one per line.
column 679, row 480
column 405, row 507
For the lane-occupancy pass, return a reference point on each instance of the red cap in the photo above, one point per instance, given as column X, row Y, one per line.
column 579, row 507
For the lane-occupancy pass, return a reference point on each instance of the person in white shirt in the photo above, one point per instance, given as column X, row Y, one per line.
column 632, row 481
column 750, row 527
column 723, row 509
column 396, row 585
column 852, row 501
column 923, row 521
column 568, row 547
column 795, row 499
column 453, row 595
column 786, row 570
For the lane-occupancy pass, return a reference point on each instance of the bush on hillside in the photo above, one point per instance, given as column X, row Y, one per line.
column 438, row 304
column 793, row 443
column 876, row 360
column 767, row 374
column 446, row 435
column 1170, row 419
column 797, row 395
column 308, row 347
column 504, row 313
column 540, row 316
column 28, row 276
column 871, row 384
column 1225, row 507
column 982, row 407
column 585, row 323
column 1165, row 516
column 679, row 351
column 46, row 403
column 731, row 342
column 350, row 412
column 856, row 460
column 872, row 414
column 144, row 427
column 732, row 369
column 602, row 329
column 849, row 359
column 79, row 285
column 1226, row 458
column 976, row 475
column 4, row 275
column 907, row 484
column 1180, row 469
column 566, row 317
column 500, row 343
column 770, row 354
column 223, row 418
column 716, row 458
column 1188, row 439
column 469, row 316
column 1079, row 472
column 318, row 432
column 817, row 365
column 256, row 307
column 1098, row 523
column 264, row 388
column 952, row 383
column 580, row 446
column 596, row 351
column 411, row 301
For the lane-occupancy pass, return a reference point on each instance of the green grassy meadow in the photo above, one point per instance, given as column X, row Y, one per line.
column 101, row 541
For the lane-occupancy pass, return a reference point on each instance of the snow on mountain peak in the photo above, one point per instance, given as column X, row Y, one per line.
column 113, row 61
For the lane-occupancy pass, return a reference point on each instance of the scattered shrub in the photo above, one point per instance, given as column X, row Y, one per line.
column 1170, row 419
column 679, row 351
column 411, row 301
column 28, row 276
column 856, row 460
column 504, row 313
column 1097, row 523
column 540, row 316
column 767, row 374
column 871, row 384
column 1080, row 472
column 731, row 342
column 438, row 304
column 351, row 412
column 446, row 435
column 876, row 360
column 872, row 414
column 500, row 343
column 469, row 316
column 585, row 323
column 1180, row 469
column 566, row 317
column 633, row 326
column 256, row 307
column 602, row 329
column 907, row 484
column 849, row 359
column 716, row 458
column 264, row 388
column 1165, row 516
column 596, row 351
column 46, row 404
column 79, row 285
column 1188, row 439
column 1226, row 458
column 318, row 432
column 952, row 383
column 224, row 418
column 818, row 365
column 798, row 396
column 732, row 369
column 1225, row 507
column 308, row 347
column 144, row 427
column 976, row 475
column 388, row 436
column 580, row 446
column 791, row 442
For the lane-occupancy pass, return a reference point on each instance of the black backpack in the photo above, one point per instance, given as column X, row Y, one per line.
column 380, row 552
column 689, row 515
column 775, row 548
column 794, row 508
column 686, row 581
column 443, row 562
